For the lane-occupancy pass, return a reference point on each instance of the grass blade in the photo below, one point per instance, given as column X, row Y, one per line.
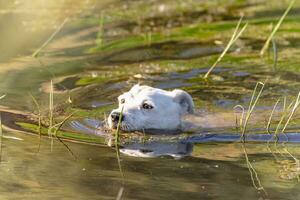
column 37, row 52
column 276, row 28
column 252, row 105
column 39, row 119
column 117, row 143
column 233, row 38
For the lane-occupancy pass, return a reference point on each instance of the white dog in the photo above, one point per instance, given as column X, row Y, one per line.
column 146, row 108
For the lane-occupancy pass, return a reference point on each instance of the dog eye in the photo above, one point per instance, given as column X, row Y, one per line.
column 122, row 101
column 147, row 106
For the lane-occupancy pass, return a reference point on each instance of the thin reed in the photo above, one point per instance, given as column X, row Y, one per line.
column 39, row 115
column 292, row 112
column 275, row 54
column 1, row 137
column 264, row 48
column 253, row 174
column 1, row 131
column 271, row 116
column 51, row 104
column 117, row 143
column 236, row 34
column 99, row 40
column 51, row 109
column 37, row 52
column 56, row 128
column 285, row 110
column 245, row 118
column 39, row 119
column 287, row 114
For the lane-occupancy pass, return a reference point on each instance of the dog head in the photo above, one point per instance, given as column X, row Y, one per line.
column 147, row 108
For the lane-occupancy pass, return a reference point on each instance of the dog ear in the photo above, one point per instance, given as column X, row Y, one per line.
column 185, row 101
column 135, row 88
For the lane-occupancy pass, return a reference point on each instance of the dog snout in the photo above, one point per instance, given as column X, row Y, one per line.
column 115, row 117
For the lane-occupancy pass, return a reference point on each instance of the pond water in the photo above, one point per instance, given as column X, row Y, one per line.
column 100, row 50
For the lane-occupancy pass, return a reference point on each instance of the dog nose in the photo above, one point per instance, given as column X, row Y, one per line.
column 115, row 116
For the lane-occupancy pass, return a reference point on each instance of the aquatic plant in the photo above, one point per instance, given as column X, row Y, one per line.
column 264, row 48
column 1, row 131
column 39, row 119
column 292, row 112
column 148, row 38
column 243, row 126
column 56, row 128
column 117, row 143
column 271, row 116
column 53, row 128
column 117, row 132
column 275, row 54
column 51, row 109
column 236, row 34
column 99, row 39
column 287, row 114
column 253, row 174
column 37, row 52
column 254, row 99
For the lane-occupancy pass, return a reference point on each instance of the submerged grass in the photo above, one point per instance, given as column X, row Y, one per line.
column 236, row 34
column 264, row 48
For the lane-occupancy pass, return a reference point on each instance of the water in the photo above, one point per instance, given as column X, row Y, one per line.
column 163, row 44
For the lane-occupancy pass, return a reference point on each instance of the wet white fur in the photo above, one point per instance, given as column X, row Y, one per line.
column 167, row 112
